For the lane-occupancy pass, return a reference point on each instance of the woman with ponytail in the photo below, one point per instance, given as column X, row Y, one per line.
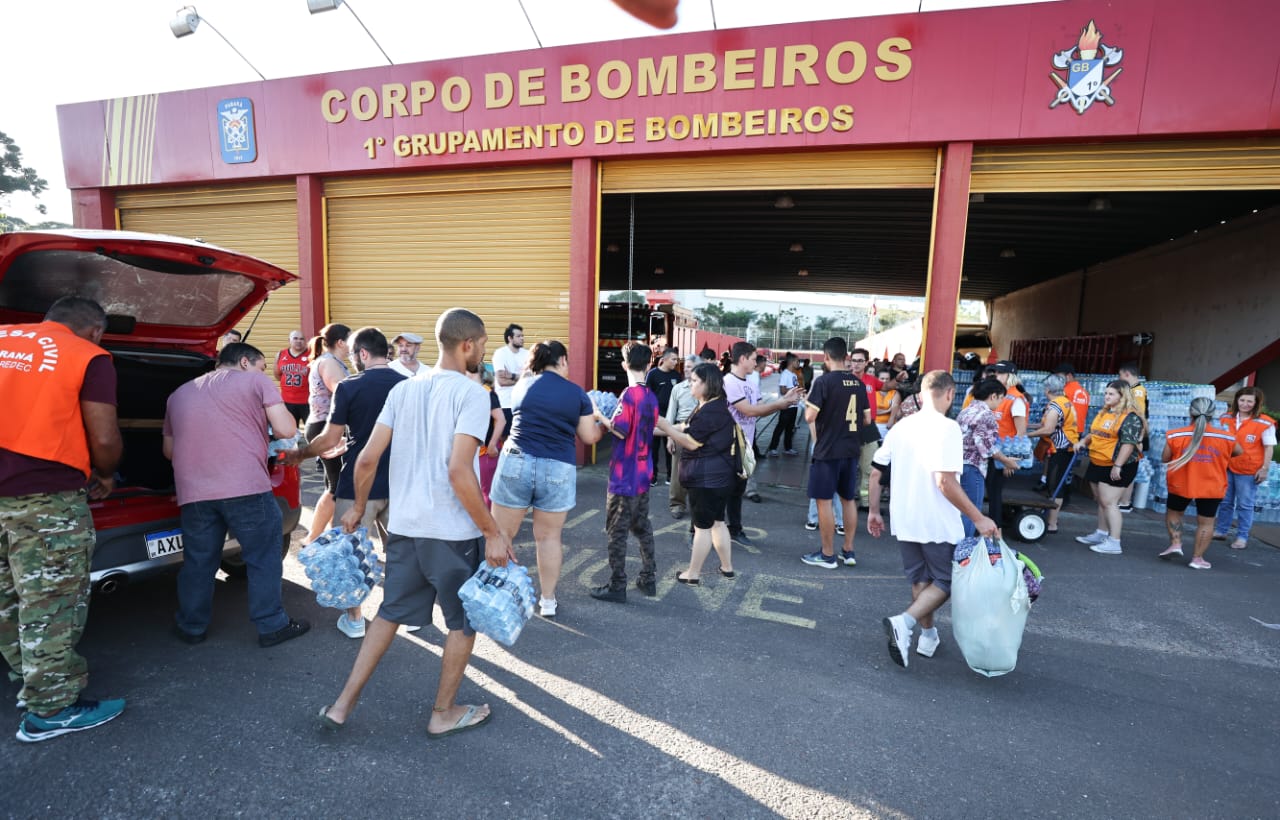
column 1196, row 458
column 329, row 352
column 1114, row 444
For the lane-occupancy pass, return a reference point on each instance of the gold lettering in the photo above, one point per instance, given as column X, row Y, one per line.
column 706, row 125
column 678, row 127
column 657, row 80
column 364, row 103
column 491, row 139
column 604, row 131
column 455, row 94
column 790, row 121
column 393, row 97
column 799, row 60
column 574, row 133
column 455, row 139
column 754, row 124
column 498, row 92
column 626, row 130
column 574, row 83
column 421, row 148
column 471, row 143
column 531, row 84
column 421, row 92
column 852, row 48
column 769, row 78
column 699, row 73
column 515, row 136
column 532, row 136
column 609, row 90
column 815, row 119
column 731, row 124
column 842, row 117
column 402, row 145
column 891, row 51
column 328, row 109
column 738, row 62
column 655, row 129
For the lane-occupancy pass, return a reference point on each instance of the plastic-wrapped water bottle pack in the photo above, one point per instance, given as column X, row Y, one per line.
column 606, row 403
column 343, row 567
column 498, row 601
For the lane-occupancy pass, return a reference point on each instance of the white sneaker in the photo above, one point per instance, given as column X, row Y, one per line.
column 1239, row 544
column 926, row 646
column 1095, row 537
column 1111, row 546
column 899, row 639
column 349, row 627
column 547, row 607
column 1174, row 551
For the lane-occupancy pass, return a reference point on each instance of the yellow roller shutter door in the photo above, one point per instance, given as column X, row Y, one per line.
column 851, row 169
column 402, row 249
column 1138, row 166
column 259, row 220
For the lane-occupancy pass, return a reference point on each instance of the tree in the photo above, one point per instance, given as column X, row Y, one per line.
column 826, row 323
column 766, row 322
column 737, row 318
column 14, row 176
column 712, row 315
column 892, row 317
column 628, row 296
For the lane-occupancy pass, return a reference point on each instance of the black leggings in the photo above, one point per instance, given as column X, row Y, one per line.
column 784, row 429
column 332, row 466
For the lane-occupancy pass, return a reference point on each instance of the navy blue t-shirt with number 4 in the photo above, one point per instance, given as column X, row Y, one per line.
column 841, row 401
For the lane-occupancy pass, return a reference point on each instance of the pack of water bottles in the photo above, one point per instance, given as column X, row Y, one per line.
column 606, row 403
column 1020, row 448
column 343, row 567
column 279, row 445
column 498, row 601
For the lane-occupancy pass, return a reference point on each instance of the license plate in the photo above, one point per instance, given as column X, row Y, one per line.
column 160, row 544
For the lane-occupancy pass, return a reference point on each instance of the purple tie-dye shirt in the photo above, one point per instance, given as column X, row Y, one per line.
column 630, row 463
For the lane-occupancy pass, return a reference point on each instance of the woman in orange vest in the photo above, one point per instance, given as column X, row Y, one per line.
column 1060, row 434
column 886, row 401
column 1197, row 472
column 1256, row 435
column 1011, row 420
column 1114, row 444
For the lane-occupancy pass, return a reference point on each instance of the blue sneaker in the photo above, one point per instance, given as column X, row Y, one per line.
column 81, row 715
column 817, row 559
column 847, row 558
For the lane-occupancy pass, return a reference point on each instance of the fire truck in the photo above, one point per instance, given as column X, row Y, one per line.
column 668, row 325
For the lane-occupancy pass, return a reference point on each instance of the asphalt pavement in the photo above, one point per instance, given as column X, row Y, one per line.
column 1143, row 689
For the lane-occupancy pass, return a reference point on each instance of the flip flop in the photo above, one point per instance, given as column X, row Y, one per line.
column 328, row 722
column 689, row 582
column 729, row 574
column 464, row 723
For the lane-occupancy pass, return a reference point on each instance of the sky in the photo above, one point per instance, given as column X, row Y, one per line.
column 78, row 50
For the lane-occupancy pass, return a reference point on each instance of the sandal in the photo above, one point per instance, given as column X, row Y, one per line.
column 327, row 722
column 729, row 574
column 691, row 582
column 466, row 722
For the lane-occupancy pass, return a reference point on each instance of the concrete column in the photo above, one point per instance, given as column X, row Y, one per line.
column 94, row 208
column 584, row 279
column 946, row 255
column 311, row 254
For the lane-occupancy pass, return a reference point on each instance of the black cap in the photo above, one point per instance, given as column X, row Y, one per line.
column 1005, row 366
column 1065, row 367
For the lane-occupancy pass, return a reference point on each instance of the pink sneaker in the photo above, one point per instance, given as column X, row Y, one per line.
column 1199, row 563
column 1174, row 551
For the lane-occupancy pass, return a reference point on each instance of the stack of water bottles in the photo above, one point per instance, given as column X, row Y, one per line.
column 343, row 567
column 606, row 403
column 277, row 446
column 498, row 601
column 1020, row 448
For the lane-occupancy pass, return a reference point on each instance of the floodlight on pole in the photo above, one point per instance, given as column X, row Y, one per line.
column 318, row 6
column 186, row 19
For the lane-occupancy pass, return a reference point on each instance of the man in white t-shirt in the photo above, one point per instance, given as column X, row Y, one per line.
column 406, row 361
column 438, row 523
column 509, row 361
column 924, row 456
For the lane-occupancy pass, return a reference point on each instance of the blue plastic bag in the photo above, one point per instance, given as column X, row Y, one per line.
column 498, row 601
column 989, row 606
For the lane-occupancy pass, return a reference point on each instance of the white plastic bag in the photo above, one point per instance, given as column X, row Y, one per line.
column 989, row 606
column 498, row 601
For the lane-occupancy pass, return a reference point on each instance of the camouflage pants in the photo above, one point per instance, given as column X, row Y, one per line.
column 624, row 514
column 46, row 544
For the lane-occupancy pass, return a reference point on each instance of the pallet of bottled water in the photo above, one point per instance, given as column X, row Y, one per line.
column 343, row 567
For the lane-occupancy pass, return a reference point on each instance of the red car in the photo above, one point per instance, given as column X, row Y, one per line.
column 168, row 300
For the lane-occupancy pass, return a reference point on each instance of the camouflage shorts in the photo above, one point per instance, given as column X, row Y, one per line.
column 46, row 546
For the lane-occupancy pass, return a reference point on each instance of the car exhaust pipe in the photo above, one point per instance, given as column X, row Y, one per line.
column 111, row 583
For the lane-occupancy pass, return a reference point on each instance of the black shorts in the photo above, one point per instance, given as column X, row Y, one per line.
column 1058, row 463
column 299, row 412
column 422, row 572
column 332, row 466
column 1099, row 474
column 829, row 477
column 707, row 505
column 1205, row 507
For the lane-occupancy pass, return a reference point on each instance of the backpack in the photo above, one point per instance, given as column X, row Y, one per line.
column 741, row 453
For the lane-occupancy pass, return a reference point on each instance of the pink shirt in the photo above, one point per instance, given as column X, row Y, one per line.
column 218, row 423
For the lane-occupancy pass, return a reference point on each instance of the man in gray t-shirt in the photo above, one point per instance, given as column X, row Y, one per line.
column 438, row 521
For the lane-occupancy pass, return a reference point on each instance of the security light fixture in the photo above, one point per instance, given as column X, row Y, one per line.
column 784, row 202
column 318, row 6
column 1008, row 253
column 184, row 22
column 1100, row 203
column 658, row 271
column 796, row 247
column 802, row 272
column 612, row 247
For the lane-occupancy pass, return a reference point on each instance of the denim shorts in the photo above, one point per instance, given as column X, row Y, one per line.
column 523, row 481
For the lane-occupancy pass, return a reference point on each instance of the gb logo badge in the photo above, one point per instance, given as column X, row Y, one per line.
column 1085, row 67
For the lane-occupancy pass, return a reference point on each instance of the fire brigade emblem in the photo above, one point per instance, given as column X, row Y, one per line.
column 235, row 127
column 1086, row 65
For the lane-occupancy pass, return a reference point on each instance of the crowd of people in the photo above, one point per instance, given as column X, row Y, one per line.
column 442, row 463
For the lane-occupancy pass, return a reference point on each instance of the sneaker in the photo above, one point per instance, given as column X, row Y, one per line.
column 1092, row 538
column 811, row 525
column 666, row 481
column 81, row 715
column 293, row 629
column 649, row 588
column 547, row 607
column 817, row 559
column 1199, row 563
column 186, row 637
column 847, row 558
column 840, row 529
column 771, row 454
column 608, row 593
column 1219, row 536
column 1239, row 544
column 677, row 513
column 755, row 497
column 1125, row 508
column 1111, row 546
column 350, row 627
column 1174, row 551
column 926, row 645
column 899, row 639
column 791, row 452
column 742, row 540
